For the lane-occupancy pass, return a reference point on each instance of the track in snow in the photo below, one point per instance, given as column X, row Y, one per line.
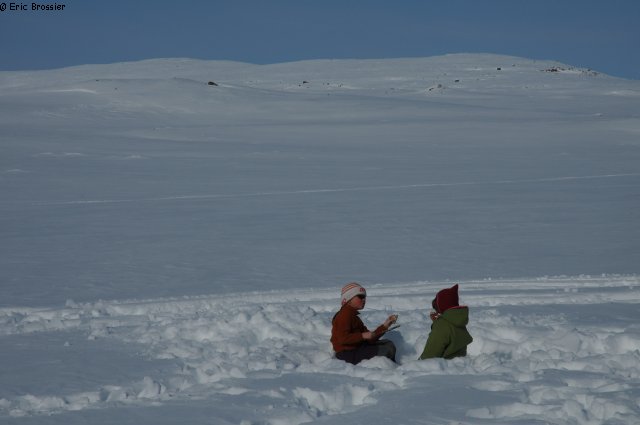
column 334, row 190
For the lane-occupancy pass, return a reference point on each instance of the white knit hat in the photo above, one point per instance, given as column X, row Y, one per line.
column 350, row 290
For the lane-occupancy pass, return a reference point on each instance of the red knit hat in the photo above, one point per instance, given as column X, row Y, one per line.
column 446, row 299
column 350, row 290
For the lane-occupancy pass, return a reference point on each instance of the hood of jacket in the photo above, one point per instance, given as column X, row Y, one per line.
column 457, row 316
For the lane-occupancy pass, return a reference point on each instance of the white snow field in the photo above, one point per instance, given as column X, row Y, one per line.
column 172, row 251
column 544, row 351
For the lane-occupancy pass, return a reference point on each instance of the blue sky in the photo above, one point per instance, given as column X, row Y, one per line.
column 601, row 35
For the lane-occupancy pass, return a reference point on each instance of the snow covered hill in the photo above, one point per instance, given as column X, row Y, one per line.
column 175, row 234
column 137, row 179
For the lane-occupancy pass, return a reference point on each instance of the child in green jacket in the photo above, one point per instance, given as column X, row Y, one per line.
column 449, row 336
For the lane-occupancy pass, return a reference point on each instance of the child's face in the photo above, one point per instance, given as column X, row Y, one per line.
column 358, row 302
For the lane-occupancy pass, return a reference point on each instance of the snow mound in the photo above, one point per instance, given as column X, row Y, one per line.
column 556, row 350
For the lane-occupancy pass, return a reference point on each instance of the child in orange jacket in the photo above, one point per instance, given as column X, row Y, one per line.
column 351, row 339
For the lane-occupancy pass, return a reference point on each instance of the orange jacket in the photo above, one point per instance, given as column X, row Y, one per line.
column 347, row 329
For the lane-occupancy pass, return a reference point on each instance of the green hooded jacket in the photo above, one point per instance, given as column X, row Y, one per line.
column 449, row 336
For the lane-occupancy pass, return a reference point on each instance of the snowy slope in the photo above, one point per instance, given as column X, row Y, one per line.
column 172, row 251
column 118, row 181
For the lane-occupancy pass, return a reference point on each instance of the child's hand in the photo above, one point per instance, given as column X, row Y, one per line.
column 391, row 320
column 434, row 315
column 367, row 335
